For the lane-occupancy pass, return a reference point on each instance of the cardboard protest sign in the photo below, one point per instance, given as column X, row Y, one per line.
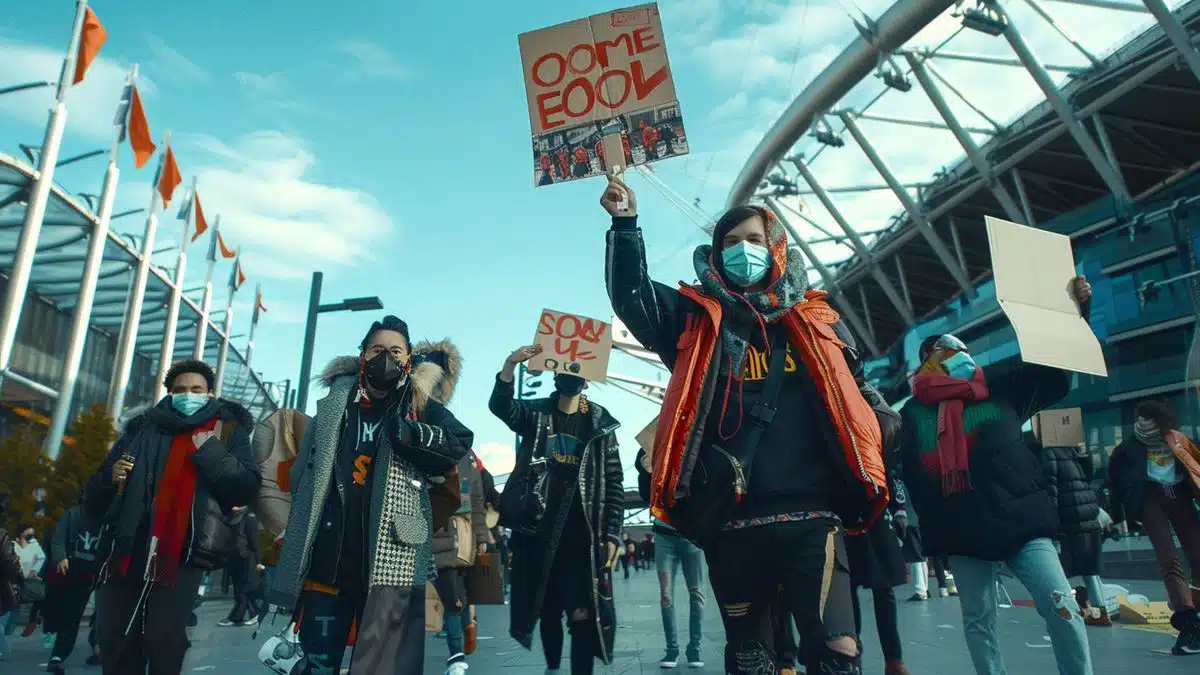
column 572, row 344
column 598, row 88
column 1033, row 270
column 1061, row 428
column 645, row 437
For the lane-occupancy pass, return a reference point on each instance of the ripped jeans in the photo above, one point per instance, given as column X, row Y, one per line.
column 1037, row 567
column 672, row 552
column 796, row 567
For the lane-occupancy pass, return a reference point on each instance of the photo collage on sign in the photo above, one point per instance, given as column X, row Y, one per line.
column 570, row 154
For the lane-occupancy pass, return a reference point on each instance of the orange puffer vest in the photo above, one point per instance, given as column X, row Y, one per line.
column 810, row 329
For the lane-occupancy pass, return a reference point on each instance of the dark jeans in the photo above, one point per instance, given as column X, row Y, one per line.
column 1161, row 512
column 886, row 622
column 451, row 585
column 136, row 632
column 568, row 591
column 941, row 564
column 797, row 567
column 390, row 630
column 65, row 604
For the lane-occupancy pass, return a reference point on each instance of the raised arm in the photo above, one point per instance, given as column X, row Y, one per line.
column 516, row 414
column 649, row 309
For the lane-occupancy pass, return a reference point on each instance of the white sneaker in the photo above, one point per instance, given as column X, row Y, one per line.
column 943, row 592
column 457, row 668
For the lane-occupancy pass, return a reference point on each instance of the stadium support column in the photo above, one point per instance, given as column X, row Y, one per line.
column 82, row 314
column 137, row 297
column 974, row 154
column 167, row 356
column 1176, row 33
column 39, row 196
column 1066, row 114
column 223, row 352
column 915, row 212
column 831, row 282
column 860, row 247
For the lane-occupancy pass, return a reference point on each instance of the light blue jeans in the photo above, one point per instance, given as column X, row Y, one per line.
column 1037, row 567
column 671, row 552
column 5, row 620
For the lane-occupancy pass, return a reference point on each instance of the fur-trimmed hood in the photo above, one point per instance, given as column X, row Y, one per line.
column 436, row 367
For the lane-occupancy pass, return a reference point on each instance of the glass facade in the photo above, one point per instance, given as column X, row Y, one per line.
column 1149, row 338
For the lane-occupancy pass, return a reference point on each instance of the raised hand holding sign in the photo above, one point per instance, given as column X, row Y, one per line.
column 572, row 344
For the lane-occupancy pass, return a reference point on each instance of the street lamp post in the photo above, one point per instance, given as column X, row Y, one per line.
column 315, row 307
column 522, row 394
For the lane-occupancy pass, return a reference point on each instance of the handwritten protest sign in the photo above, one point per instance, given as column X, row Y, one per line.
column 594, row 81
column 572, row 344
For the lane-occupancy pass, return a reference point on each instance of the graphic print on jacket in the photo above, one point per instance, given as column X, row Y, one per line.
column 793, row 471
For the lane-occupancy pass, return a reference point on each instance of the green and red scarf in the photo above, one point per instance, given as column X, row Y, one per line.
column 949, row 459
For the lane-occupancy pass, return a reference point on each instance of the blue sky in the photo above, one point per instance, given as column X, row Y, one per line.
column 387, row 144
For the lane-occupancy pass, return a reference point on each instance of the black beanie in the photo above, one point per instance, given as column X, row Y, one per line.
column 389, row 322
column 927, row 347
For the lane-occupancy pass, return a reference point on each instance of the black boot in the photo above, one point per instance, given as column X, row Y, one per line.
column 1187, row 622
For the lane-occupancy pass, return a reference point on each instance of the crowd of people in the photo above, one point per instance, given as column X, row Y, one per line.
column 773, row 453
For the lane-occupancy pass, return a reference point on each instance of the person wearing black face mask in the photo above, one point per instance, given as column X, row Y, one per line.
column 564, row 503
column 357, row 551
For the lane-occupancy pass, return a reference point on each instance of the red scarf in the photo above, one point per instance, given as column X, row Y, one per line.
column 950, row 459
column 173, row 507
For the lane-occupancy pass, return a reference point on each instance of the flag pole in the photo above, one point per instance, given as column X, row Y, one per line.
column 82, row 314
column 253, row 324
column 137, row 298
column 167, row 356
column 223, row 352
column 206, row 303
column 39, row 195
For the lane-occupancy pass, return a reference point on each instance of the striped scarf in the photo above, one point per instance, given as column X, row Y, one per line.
column 1146, row 431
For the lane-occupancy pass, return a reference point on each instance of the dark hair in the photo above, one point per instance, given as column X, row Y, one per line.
column 734, row 217
column 927, row 347
column 389, row 322
column 190, row 366
column 3, row 506
column 1158, row 411
column 23, row 527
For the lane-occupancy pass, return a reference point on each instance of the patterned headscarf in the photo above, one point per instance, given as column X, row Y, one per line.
column 787, row 282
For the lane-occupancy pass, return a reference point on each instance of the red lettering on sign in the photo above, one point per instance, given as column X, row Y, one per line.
column 573, row 338
column 598, row 82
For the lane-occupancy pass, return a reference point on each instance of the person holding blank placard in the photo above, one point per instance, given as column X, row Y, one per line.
column 981, row 494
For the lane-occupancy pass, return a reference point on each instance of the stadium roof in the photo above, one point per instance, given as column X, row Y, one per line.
column 1131, row 108
column 58, row 269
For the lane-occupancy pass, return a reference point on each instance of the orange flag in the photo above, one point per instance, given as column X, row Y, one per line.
column 198, row 215
column 169, row 179
column 225, row 251
column 241, row 277
column 91, row 39
column 258, row 303
column 139, row 131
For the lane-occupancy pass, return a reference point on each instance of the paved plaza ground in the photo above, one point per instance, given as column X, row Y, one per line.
column 932, row 634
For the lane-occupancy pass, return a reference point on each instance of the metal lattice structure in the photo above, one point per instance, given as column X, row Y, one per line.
column 55, row 282
column 1116, row 129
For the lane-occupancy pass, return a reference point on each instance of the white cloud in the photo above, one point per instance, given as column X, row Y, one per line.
column 167, row 59
column 91, row 105
column 497, row 458
column 268, row 203
column 763, row 63
column 268, row 84
column 372, row 60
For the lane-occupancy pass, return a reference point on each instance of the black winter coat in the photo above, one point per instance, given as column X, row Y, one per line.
column 226, row 477
column 1007, row 503
column 534, row 544
column 1069, row 478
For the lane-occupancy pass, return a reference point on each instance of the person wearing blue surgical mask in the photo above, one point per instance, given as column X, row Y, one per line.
column 980, row 494
column 750, row 464
column 176, row 467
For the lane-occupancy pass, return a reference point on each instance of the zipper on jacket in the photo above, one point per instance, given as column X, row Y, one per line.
column 592, row 538
column 841, row 406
